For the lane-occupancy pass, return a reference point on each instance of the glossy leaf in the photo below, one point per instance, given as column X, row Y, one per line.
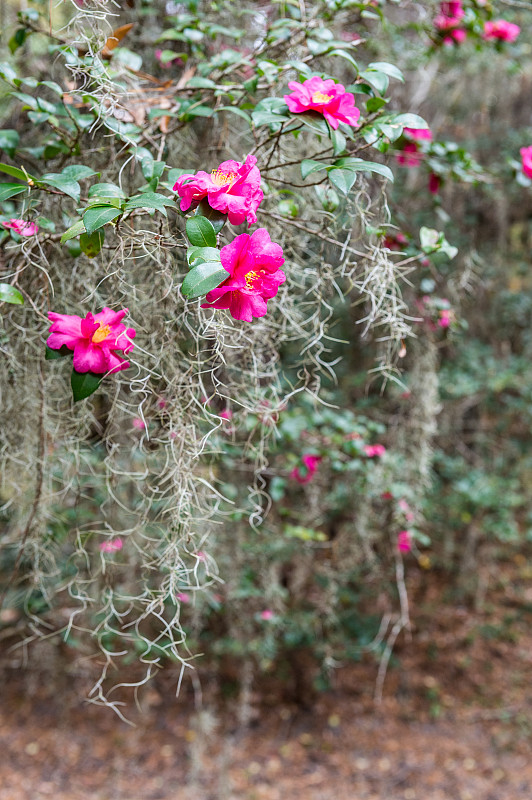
column 84, row 384
column 74, row 230
column 343, row 179
column 91, row 243
column 216, row 218
column 8, row 294
column 15, row 172
column 61, row 352
column 98, row 216
column 308, row 166
column 8, row 190
column 201, row 232
column 203, row 278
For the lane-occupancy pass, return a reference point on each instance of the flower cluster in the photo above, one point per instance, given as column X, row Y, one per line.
column 437, row 312
column 448, row 22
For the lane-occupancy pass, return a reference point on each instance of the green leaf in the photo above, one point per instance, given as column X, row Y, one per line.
column 410, row 121
column 8, row 190
column 359, row 165
column 97, row 216
column 63, row 183
column 150, row 200
column 74, row 230
column 106, row 190
column 91, row 243
column 308, row 166
column 347, row 56
column 77, row 172
column 9, row 140
column 16, row 173
column 339, row 142
column 202, row 254
column 201, row 232
column 8, row 294
column 379, row 80
column 53, row 355
column 236, row 110
column 389, row 69
column 84, row 384
column 343, row 179
column 7, row 72
column 314, row 121
column 216, row 218
column 203, row 278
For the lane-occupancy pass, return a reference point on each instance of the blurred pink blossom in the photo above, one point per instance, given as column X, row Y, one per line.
column 404, row 541
column 502, row 30
column 21, row 227
column 311, row 463
column 112, row 545
column 183, row 597
column 267, row 614
column 374, row 450
column 138, row 423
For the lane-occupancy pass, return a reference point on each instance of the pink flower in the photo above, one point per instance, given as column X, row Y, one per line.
column 200, row 555
column 233, row 188
column 226, row 414
column 409, row 155
column 445, row 319
column 112, row 546
column 404, row 541
column 374, row 450
column 22, row 227
column 95, row 339
column 453, row 8
column 457, row 36
column 445, row 22
column 419, row 133
column 386, row 496
column 311, row 463
column 526, row 158
column 267, row 614
column 326, row 97
column 502, row 30
column 252, row 262
column 138, row 423
column 434, row 183
column 183, row 597
column 162, row 403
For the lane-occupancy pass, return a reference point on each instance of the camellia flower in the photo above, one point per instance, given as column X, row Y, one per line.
column 138, row 423
column 233, row 189
column 95, row 339
column 327, row 97
column 267, row 614
column 502, row 30
column 421, row 134
column 526, row 158
column 112, row 546
column 252, row 262
column 452, row 8
column 409, row 155
column 311, row 463
column 183, row 597
column 374, row 450
column 407, row 511
column 404, row 541
column 21, row 227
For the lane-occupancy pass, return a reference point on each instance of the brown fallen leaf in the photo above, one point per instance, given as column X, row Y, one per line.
column 115, row 38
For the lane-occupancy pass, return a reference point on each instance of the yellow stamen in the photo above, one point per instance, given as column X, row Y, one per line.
column 319, row 97
column 222, row 178
column 101, row 334
column 250, row 277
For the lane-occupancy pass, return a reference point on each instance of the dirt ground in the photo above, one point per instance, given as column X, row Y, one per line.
column 455, row 724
